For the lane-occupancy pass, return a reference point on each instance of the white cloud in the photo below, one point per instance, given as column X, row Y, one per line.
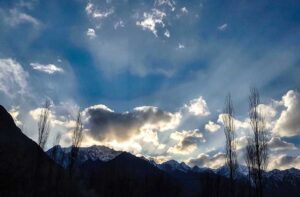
column 223, row 27
column 160, row 159
column 197, row 107
column 180, row 46
column 62, row 121
column 241, row 142
column 283, row 162
column 288, row 123
column 89, row 8
column 13, row 79
column 239, row 125
column 119, row 24
column 184, row 10
column 96, row 107
column 95, row 13
column 16, row 17
column 187, row 141
column 204, row 160
column 54, row 119
column 91, row 33
column 268, row 111
column 212, row 127
column 46, row 68
column 167, row 33
column 15, row 113
column 151, row 20
column 103, row 14
column 170, row 3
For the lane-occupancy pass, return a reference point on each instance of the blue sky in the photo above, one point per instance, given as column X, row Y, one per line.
column 179, row 57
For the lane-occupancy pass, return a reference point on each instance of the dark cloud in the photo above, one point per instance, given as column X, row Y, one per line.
column 284, row 162
column 104, row 123
column 187, row 141
column 277, row 144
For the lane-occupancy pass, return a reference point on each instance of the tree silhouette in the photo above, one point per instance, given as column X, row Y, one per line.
column 257, row 148
column 229, row 131
column 76, row 142
column 44, row 125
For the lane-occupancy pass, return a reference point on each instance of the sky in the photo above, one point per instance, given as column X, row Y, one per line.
column 150, row 77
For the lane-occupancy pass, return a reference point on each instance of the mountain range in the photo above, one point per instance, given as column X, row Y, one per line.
column 276, row 180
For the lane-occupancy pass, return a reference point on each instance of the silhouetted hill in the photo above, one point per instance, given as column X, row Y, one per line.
column 113, row 173
column 127, row 175
column 25, row 170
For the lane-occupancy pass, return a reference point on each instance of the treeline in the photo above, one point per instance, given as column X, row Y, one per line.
column 256, row 151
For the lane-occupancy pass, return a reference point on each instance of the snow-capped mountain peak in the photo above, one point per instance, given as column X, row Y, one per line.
column 92, row 153
column 173, row 165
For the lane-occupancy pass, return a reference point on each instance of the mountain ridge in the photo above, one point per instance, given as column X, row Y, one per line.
column 105, row 154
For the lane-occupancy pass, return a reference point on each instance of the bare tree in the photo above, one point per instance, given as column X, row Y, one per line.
column 229, row 130
column 250, row 160
column 44, row 125
column 43, row 133
column 257, row 153
column 76, row 142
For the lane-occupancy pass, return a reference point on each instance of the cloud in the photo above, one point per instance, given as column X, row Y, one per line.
column 180, row 46
column 15, row 113
column 55, row 120
column 241, row 126
column 184, row 10
column 119, row 24
column 204, row 160
column 46, row 68
column 13, row 79
column 167, row 33
column 103, row 14
column 151, row 20
column 16, row 17
column 187, row 141
column 62, row 121
column 268, row 111
column 197, row 107
column 241, row 142
column 96, row 13
column 283, row 162
column 91, row 33
column 89, row 8
column 277, row 144
column 212, row 127
column 288, row 123
column 105, row 124
column 170, row 3
column 223, row 27
column 160, row 159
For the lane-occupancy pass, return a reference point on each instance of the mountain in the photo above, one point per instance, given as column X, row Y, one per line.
column 283, row 182
column 241, row 172
column 173, row 165
column 25, row 170
column 99, row 163
column 127, row 175
column 92, row 153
